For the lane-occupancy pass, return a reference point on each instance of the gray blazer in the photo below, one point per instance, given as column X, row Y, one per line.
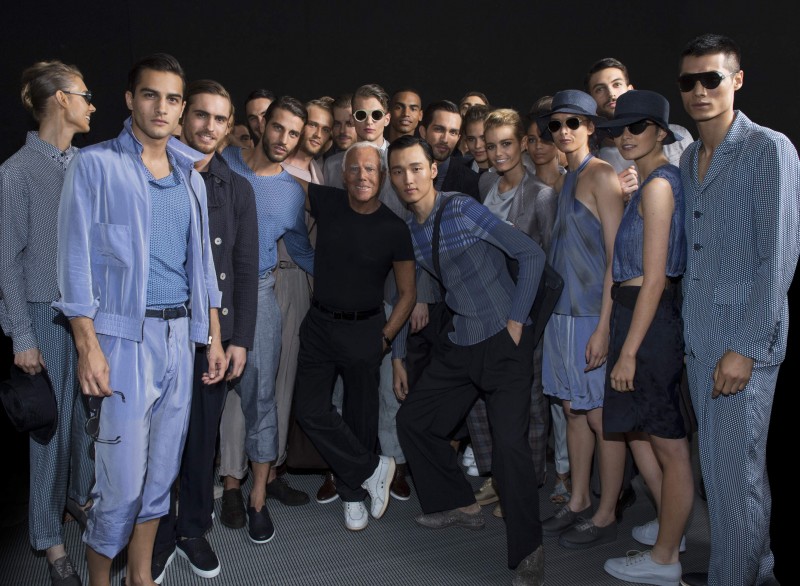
column 534, row 207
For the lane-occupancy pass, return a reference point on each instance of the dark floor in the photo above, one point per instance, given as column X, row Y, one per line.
column 312, row 547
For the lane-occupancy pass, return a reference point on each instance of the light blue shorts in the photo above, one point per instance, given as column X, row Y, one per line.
column 564, row 361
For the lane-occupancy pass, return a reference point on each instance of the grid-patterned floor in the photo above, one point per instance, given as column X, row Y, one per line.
column 312, row 547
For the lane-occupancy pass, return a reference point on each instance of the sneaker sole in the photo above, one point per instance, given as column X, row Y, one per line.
column 356, row 529
column 328, row 500
column 260, row 541
column 642, row 579
column 200, row 572
column 170, row 559
column 487, row 501
column 573, row 545
column 387, row 492
column 398, row 497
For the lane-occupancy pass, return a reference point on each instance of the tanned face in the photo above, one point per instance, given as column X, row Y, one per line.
column 205, row 122
column 282, row 132
column 442, row 133
column 406, row 109
column 156, row 104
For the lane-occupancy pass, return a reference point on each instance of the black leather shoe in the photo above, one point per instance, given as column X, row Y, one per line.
column 327, row 492
column 399, row 488
column 232, row 513
column 291, row 497
column 259, row 525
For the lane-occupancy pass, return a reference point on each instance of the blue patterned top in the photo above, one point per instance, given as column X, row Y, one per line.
column 167, row 281
column 628, row 262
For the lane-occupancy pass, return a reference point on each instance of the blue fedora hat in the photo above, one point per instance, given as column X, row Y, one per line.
column 637, row 105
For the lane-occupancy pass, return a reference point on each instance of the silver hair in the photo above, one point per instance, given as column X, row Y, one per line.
column 363, row 145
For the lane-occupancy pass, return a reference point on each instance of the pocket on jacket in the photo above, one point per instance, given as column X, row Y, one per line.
column 732, row 293
column 111, row 244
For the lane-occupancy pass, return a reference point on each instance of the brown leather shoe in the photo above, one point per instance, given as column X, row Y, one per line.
column 399, row 488
column 327, row 492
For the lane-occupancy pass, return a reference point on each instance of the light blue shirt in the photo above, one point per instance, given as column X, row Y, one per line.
column 104, row 224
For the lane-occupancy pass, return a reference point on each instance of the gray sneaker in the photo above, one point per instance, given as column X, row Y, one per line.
column 563, row 519
column 62, row 573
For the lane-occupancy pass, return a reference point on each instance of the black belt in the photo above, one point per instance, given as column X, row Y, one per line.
column 348, row 315
column 168, row 312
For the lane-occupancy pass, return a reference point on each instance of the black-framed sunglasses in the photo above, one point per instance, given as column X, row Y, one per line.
column 635, row 128
column 87, row 95
column 708, row 79
column 92, row 426
column 573, row 123
column 361, row 115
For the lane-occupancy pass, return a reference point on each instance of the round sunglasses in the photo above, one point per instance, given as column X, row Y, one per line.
column 361, row 115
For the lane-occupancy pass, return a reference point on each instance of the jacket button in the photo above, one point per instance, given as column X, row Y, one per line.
column 217, row 240
column 697, row 213
column 698, row 246
column 224, row 311
column 222, row 276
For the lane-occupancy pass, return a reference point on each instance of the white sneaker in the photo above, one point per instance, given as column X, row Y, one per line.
column 473, row 470
column 468, row 458
column 355, row 515
column 648, row 533
column 638, row 567
column 379, row 485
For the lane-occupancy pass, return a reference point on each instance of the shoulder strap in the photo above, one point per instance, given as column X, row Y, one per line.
column 437, row 221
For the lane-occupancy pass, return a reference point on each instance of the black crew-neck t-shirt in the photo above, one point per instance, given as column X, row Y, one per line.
column 354, row 252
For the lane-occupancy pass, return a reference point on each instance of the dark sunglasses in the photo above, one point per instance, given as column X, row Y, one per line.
column 708, row 79
column 361, row 115
column 93, row 423
column 572, row 123
column 636, row 128
column 87, row 95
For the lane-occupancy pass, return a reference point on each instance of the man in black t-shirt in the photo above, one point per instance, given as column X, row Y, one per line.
column 359, row 240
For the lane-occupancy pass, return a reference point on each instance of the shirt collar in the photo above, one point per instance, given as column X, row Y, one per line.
column 182, row 155
column 219, row 168
column 50, row 151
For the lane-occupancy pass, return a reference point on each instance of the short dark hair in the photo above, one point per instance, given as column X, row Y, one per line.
column 155, row 62
column 290, row 104
column 206, row 86
column 476, row 94
column 258, row 94
column 605, row 63
column 710, row 44
column 406, row 90
column 406, row 142
column 440, row 106
column 372, row 90
column 476, row 113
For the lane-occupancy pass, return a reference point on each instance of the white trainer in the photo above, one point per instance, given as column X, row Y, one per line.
column 468, row 458
column 355, row 515
column 379, row 485
column 638, row 567
column 648, row 533
column 473, row 470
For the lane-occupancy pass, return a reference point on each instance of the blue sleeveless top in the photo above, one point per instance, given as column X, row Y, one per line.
column 628, row 245
column 577, row 252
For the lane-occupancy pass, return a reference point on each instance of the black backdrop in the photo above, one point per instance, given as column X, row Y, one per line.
column 514, row 51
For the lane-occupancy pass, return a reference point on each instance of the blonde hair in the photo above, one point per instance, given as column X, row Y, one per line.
column 42, row 80
column 505, row 117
